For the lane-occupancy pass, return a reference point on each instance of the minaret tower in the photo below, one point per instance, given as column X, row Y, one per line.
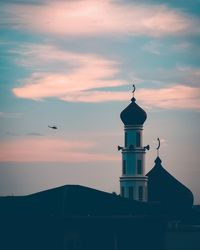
column 133, row 182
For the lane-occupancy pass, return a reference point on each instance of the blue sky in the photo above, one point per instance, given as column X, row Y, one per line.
column 72, row 63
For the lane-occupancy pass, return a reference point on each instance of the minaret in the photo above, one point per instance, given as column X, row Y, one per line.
column 133, row 182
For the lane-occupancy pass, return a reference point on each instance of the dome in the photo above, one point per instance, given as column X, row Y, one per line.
column 133, row 114
column 173, row 196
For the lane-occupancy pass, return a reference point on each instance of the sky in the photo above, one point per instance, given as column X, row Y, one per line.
column 72, row 64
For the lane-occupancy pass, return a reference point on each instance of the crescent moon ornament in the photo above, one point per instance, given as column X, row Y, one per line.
column 158, row 143
column 158, row 146
column 133, row 88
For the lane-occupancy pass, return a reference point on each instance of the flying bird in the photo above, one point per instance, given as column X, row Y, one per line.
column 53, row 127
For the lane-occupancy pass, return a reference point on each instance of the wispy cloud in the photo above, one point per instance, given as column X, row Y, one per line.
column 89, row 72
column 178, row 96
column 39, row 55
column 34, row 134
column 178, row 75
column 11, row 133
column 94, row 18
column 50, row 150
column 10, row 115
column 74, row 87
column 96, row 96
column 175, row 97
column 85, row 73
column 159, row 47
column 181, row 46
column 187, row 75
column 154, row 47
column 81, row 72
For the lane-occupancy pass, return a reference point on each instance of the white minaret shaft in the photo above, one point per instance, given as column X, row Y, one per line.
column 133, row 182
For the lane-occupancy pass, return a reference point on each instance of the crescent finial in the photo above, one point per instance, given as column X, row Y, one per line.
column 133, row 88
column 158, row 146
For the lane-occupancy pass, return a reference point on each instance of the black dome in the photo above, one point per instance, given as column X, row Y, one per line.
column 173, row 196
column 133, row 114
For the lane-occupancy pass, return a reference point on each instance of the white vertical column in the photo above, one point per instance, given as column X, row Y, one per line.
column 133, row 182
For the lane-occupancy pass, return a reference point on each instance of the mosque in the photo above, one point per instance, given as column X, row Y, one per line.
column 157, row 185
column 76, row 217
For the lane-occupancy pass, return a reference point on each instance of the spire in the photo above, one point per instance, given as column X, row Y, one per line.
column 158, row 161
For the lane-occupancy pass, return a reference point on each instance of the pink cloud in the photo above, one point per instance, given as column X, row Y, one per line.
column 88, row 71
column 93, row 17
column 30, row 54
column 78, row 86
column 49, row 150
column 96, row 96
column 175, row 97
column 178, row 96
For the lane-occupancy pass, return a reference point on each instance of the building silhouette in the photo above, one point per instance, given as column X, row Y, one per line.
column 173, row 196
column 74, row 217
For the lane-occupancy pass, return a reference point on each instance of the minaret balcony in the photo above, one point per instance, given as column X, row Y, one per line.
column 133, row 127
column 133, row 150
column 133, row 177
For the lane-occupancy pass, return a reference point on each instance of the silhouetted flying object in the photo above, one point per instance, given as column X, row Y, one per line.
column 53, row 127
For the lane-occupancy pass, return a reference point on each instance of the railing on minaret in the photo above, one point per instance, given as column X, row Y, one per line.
column 133, row 182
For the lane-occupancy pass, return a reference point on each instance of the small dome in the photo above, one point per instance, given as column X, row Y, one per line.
column 173, row 196
column 133, row 114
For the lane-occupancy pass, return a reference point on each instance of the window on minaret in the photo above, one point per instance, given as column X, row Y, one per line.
column 139, row 166
column 130, row 193
column 140, row 193
column 126, row 142
column 124, row 167
column 138, row 139
column 122, row 191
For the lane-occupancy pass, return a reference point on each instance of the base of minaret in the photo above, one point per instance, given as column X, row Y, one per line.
column 134, row 187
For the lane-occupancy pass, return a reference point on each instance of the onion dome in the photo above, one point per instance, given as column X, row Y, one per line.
column 173, row 196
column 133, row 114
